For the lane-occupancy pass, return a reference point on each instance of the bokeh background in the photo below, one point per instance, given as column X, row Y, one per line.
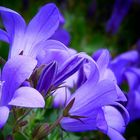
column 86, row 21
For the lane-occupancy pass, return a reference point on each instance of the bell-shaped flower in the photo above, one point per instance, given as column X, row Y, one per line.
column 30, row 39
column 12, row 93
column 126, row 70
column 132, row 76
column 90, row 106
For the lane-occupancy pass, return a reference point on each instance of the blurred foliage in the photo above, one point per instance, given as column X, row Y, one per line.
column 85, row 21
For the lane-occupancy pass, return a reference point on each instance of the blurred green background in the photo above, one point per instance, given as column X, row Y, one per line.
column 85, row 21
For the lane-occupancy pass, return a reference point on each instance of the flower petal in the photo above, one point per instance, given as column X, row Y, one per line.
column 47, row 78
column 43, row 25
column 114, row 118
column 119, row 12
column 91, row 97
column 15, row 26
column 133, row 76
column 4, row 36
column 81, row 124
column 111, row 123
column 60, row 97
column 114, row 135
column 15, row 72
column 41, row 49
column 123, row 61
column 4, row 113
column 27, row 97
column 102, row 58
column 62, row 35
column 133, row 105
column 50, row 55
column 69, row 68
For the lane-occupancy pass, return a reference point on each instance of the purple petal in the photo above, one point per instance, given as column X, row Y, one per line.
column 47, row 78
column 124, row 111
column 101, row 123
column 50, row 55
column 108, row 74
column 43, row 25
column 86, row 124
column 111, row 114
column 82, row 78
column 69, row 68
column 27, row 97
column 4, row 113
column 91, row 97
column 133, row 76
column 15, row 72
column 119, row 12
column 114, row 123
column 41, row 49
column 15, row 26
column 133, row 105
column 61, row 96
column 62, row 20
column 102, row 58
column 62, row 35
column 114, row 135
column 72, row 80
column 121, row 95
column 4, row 36
column 123, row 61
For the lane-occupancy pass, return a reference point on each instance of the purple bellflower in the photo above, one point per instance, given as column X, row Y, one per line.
column 102, row 58
column 132, row 76
column 126, row 68
column 60, row 68
column 120, row 64
column 120, row 10
column 91, row 107
column 29, row 40
column 57, row 74
column 14, row 73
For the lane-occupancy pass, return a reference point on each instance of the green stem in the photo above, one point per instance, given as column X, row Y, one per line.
column 55, row 124
column 19, row 120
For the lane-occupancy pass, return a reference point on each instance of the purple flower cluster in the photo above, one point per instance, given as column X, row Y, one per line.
column 127, row 70
column 40, row 64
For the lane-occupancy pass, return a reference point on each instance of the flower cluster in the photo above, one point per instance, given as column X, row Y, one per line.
column 41, row 65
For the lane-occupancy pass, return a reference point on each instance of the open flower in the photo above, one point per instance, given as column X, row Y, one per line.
column 90, row 107
column 126, row 69
column 14, row 73
column 25, row 39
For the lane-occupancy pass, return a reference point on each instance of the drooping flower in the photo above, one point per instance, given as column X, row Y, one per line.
column 90, row 107
column 25, row 39
column 126, row 69
column 12, row 93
